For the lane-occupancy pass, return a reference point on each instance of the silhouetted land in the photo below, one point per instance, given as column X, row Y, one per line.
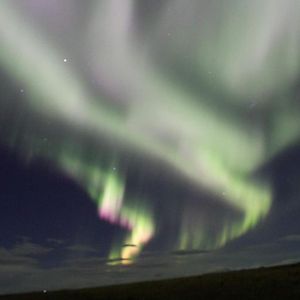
column 282, row 282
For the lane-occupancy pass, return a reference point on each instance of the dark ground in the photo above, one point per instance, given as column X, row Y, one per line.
column 282, row 282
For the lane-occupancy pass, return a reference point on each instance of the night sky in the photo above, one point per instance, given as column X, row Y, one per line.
column 147, row 139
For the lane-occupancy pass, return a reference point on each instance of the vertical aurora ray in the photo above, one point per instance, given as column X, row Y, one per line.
column 107, row 189
column 111, row 201
column 206, row 133
column 136, row 217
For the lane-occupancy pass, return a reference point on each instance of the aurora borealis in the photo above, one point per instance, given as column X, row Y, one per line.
column 165, row 114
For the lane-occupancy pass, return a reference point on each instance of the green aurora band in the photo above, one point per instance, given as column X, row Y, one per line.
column 203, row 132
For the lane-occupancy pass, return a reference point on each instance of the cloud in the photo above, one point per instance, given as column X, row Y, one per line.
column 115, row 261
column 288, row 261
column 291, row 238
column 55, row 241
column 85, row 262
column 30, row 249
column 22, row 257
column 129, row 245
column 11, row 262
column 14, row 268
column 8, row 257
column 189, row 252
column 21, row 273
column 81, row 248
